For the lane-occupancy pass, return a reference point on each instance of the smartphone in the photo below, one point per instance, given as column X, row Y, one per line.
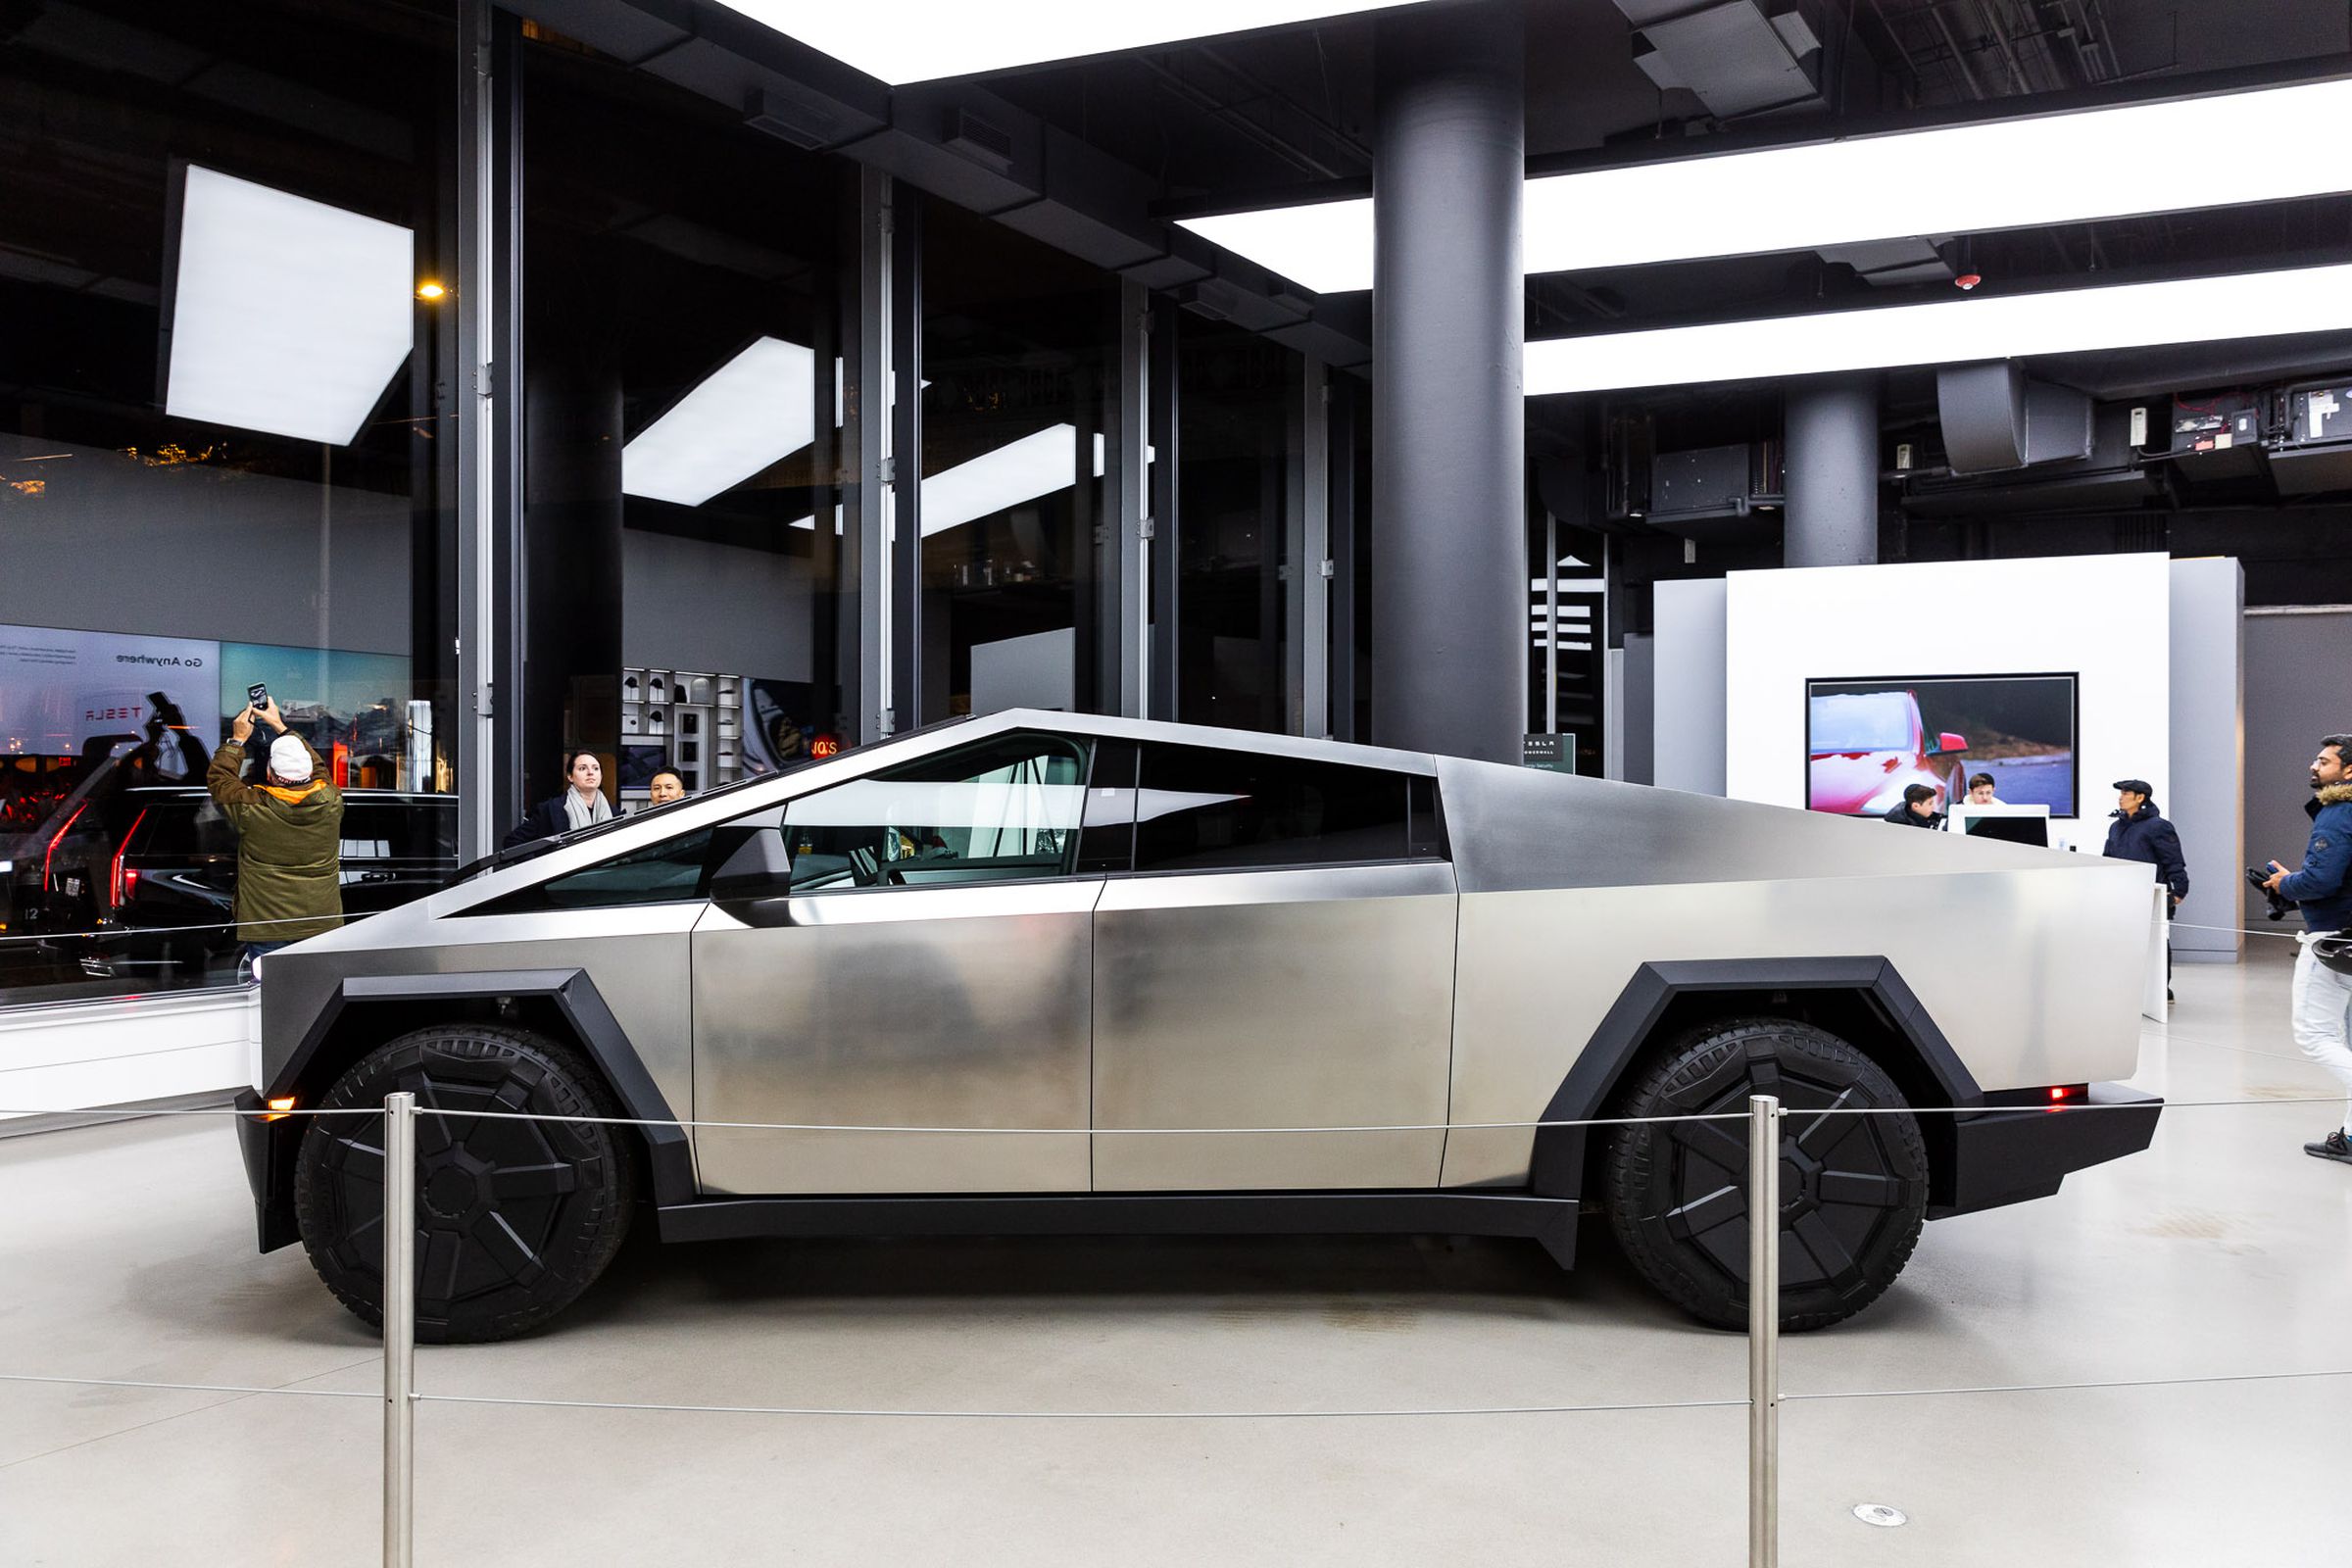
column 257, row 696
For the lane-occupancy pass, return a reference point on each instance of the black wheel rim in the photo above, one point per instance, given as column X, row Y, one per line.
column 1844, row 1183
column 491, row 1192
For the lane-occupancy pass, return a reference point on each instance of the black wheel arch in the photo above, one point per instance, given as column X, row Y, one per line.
column 1861, row 999
column 365, row 1010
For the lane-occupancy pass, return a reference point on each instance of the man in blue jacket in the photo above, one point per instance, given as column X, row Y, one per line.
column 2321, row 886
column 2140, row 833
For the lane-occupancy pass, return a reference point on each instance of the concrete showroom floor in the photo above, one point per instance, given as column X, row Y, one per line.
column 126, row 1252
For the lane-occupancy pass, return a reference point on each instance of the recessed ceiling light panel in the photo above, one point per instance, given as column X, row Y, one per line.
column 757, row 407
column 2124, row 315
column 288, row 316
column 1954, row 180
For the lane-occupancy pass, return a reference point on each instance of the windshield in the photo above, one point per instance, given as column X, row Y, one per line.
column 1861, row 721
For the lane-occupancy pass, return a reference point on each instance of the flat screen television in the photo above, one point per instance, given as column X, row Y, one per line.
column 1866, row 740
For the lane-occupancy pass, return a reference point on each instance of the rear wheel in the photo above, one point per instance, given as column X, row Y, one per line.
column 514, row 1219
column 1853, row 1188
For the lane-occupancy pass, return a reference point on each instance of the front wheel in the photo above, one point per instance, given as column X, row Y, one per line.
column 1853, row 1188
column 514, row 1219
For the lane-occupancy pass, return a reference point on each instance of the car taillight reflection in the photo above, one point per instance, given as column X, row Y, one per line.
column 49, row 855
column 122, row 878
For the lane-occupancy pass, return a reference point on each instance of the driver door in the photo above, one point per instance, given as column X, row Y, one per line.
column 909, row 949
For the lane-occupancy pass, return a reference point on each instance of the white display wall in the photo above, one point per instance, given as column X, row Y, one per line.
column 2156, row 645
column 2104, row 620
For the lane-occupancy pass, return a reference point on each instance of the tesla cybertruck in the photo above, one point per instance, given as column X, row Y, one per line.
column 1123, row 977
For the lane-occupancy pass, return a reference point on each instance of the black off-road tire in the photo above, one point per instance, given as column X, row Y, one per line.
column 514, row 1219
column 1854, row 1189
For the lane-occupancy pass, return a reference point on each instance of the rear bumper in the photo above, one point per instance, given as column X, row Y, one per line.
column 268, row 1145
column 2008, row 1155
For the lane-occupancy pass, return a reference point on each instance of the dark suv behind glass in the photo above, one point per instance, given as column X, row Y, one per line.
column 147, row 902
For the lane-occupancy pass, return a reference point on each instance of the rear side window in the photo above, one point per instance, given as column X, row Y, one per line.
column 399, row 830
column 181, row 826
column 1203, row 809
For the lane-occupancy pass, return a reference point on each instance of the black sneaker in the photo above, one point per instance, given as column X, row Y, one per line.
column 2332, row 1147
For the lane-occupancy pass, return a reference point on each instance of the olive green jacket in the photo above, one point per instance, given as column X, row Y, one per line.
column 290, row 849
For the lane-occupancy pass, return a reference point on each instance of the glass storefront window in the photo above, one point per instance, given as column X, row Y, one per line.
column 685, row 426
column 227, row 455
column 1017, row 345
column 1238, row 441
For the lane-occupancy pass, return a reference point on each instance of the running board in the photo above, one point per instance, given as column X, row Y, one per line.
column 1550, row 1221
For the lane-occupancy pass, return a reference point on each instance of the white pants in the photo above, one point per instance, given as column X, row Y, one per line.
column 2322, row 1013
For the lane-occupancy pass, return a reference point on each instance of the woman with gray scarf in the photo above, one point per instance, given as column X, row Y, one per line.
column 579, row 807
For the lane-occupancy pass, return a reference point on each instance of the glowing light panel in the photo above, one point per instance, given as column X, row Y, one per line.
column 757, row 407
column 1956, row 179
column 288, row 316
column 2204, row 310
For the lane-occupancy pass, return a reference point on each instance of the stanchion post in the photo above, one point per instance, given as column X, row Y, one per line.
column 1763, row 1331
column 400, row 1331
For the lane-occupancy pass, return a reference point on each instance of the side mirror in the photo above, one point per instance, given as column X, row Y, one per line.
column 1949, row 742
column 759, row 867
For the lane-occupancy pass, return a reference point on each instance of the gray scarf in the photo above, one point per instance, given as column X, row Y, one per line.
column 578, row 814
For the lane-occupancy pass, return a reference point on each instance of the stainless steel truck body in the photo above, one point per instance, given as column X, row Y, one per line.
column 1205, row 980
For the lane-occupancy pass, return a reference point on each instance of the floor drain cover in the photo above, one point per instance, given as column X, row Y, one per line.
column 1878, row 1513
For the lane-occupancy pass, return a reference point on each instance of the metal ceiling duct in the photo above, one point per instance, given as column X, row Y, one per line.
column 1734, row 57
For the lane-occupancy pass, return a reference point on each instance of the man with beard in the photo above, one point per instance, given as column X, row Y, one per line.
column 2322, row 997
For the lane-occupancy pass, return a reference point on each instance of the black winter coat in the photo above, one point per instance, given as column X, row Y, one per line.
column 2145, row 835
column 1904, row 813
column 543, row 821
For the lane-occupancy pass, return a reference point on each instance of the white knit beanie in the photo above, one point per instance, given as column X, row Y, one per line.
column 290, row 760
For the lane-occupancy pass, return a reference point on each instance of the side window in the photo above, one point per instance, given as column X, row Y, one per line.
column 368, row 830
column 659, row 874
column 1203, row 809
column 1004, row 811
column 397, row 829
column 179, row 827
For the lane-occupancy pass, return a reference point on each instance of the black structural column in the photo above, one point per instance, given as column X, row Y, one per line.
column 1448, row 431
column 1833, row 473
column 571, row 525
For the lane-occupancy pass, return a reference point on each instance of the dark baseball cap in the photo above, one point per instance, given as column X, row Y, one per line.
column 2137, row 786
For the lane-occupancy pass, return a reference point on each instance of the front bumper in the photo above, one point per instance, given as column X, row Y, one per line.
column 269, row 1144
column 2012, row 1153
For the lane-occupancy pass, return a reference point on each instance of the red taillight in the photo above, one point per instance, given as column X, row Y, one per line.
column 55, row 840
column 125, row 878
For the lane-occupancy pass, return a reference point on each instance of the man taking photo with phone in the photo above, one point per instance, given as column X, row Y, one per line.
column 289, row 836
column 2322, row 887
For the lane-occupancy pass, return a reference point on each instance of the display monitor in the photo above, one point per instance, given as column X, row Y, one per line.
column 1867, row 740
column 2011, row 824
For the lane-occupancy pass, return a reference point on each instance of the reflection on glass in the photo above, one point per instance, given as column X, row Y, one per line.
column 276, row 520
column 1009, row 811
column 1015, row 339
column 757, row 408
column 1234, row 455
column 685, row 408
column 288, row 316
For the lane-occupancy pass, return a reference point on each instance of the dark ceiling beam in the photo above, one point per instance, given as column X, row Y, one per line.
column 1968, row 75
column 959, row 142
column 1194, row 96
